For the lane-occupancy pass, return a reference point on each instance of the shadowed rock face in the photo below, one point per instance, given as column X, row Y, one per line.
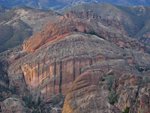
column 3, row 72
column 13, row 105
column 4, row 80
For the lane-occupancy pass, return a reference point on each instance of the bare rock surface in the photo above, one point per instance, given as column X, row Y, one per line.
column 110, row 86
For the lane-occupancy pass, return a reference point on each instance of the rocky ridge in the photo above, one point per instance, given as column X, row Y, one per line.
column 83, row 60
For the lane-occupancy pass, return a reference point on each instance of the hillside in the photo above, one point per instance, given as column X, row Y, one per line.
column 132, row 20
column 90, row 58
column 18, row 24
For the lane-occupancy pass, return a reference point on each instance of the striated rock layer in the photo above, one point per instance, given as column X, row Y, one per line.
column 52, row 70
column 110, row 86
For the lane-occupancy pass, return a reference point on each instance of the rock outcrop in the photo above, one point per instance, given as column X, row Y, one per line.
column 13, row 105
column 52, row 69
column 104, row 20
column 110, row 86
column 90, row 62
column 57, row 30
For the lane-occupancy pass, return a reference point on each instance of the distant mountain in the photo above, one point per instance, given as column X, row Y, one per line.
column 58, row 4
column 133, row 20
column 18, row 24
column 101, row 20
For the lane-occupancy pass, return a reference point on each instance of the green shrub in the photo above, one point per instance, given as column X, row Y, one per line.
column 110, row 81
column 30, row 102
column 112, row 97
column 146, row 80
column 126, row 110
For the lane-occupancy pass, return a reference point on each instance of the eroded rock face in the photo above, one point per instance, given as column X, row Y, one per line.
column 105, row 70
column 111, row 86
column 50, row 71
column 53, row 70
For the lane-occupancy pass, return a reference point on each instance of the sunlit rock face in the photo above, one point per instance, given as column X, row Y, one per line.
column 53, row 70
column 50, row 70
column 109, row 86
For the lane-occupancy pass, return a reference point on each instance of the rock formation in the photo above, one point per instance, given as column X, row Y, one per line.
column 13, row 105
column 110, row 86
column 89, row 61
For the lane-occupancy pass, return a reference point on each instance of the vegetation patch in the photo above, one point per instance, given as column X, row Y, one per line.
column 127, row 109
column 113, row 97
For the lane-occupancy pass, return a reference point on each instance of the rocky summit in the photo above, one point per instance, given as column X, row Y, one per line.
column 90, row 58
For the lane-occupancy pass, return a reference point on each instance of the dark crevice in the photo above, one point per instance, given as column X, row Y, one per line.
column 0, row 109
column 38, row 71
column 80, row 68
column 74, row 71
column 91, row 61
column 54, row 77
column 142, row 68
column 60, row 82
